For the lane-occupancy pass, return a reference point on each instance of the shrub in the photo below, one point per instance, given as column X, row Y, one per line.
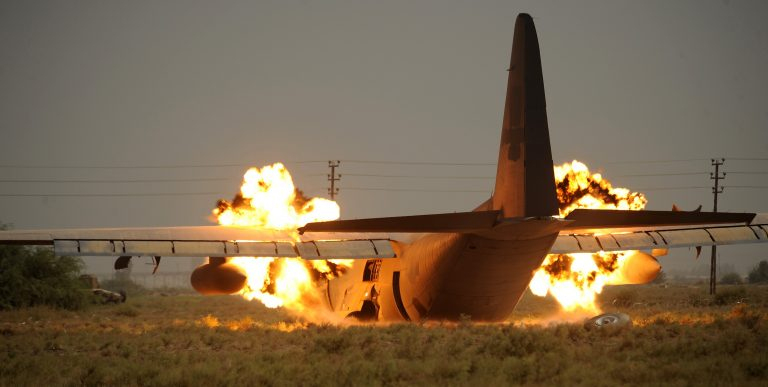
column 759, row 273
column 125, row 284
column 730, row 296
column 34, row 276
column 627, row 297
column 731, row 279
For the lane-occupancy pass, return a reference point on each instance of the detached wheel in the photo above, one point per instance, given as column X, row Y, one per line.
column 617, row 320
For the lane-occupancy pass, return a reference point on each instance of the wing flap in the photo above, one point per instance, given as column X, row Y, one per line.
column 194, row 233
column 311, row 249
column 61, row 247
column 588, row 242
column 676, row 238
column 567, row 243
column 369, row 248
column 724, row 235
column 162, row 248
column 205, row 241
column 200, row 249
column 607, row 242
column 633, row 240
column 760, row 231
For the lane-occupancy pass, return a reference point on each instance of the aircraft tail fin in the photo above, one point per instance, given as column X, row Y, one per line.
column 525, row 184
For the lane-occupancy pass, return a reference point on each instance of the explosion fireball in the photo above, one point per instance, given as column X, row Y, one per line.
column 268, row 199
column 575, row 280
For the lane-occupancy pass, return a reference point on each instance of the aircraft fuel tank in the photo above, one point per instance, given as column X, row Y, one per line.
column 639, row 268
column 217, row 277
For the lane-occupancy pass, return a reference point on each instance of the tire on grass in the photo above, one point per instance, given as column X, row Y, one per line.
column 615, row 320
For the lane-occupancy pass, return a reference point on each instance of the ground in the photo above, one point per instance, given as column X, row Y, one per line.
column 681, row 336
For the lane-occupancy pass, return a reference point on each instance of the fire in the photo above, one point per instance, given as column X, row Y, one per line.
column 578, row 188
column 575, row 280
column 268, row 199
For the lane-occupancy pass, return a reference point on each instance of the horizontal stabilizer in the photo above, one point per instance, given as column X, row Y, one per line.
column 596, row 219
column 452, row 222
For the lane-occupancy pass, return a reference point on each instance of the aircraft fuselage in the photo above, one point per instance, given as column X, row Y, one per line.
column 447, row 276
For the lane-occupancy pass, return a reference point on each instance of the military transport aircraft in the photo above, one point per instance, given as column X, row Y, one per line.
column 438, row 266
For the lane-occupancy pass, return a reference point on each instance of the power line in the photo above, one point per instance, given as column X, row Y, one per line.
column 696, row 187
column 662, row 174
column 422, row 176
column 111, row 181
column 354, row 161
column 390, row 162
column 668, row 188
column 716, row 190
column 116, row 194
column 670, row 161
column 333, row 178
column 654, row 161
column 156, row 166
column 409, row 189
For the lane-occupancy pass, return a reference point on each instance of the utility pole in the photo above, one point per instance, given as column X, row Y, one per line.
column 333, row 178
column 716, row 189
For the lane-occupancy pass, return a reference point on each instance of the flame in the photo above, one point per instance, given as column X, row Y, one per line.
column 578, row 188
column 268, row 199
column 575, row 280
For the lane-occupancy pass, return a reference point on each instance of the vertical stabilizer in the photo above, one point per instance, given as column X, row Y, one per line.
column 525, row 184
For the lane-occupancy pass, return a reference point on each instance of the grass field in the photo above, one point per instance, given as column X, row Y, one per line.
column 680, row 336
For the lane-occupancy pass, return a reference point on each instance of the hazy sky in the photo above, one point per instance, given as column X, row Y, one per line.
column 185, row 83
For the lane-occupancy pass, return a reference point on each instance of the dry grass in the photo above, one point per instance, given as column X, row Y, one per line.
column 680, row 337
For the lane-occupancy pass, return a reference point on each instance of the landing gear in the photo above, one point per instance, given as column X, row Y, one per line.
column 370, row 309
column 617, row 320
column 369, row 312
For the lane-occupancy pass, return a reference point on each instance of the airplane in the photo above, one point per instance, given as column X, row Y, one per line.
column 438, row 266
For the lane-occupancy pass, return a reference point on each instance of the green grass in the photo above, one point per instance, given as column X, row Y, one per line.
column 681, row 337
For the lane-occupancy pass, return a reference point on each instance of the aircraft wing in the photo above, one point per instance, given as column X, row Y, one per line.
column 584, row 231
column 604, row 230
column 344, row 239
column 204, row 241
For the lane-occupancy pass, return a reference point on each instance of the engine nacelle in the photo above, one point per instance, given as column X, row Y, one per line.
column 218, row 277
column 639, row 268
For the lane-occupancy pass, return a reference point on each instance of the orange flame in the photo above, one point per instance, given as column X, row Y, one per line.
column 268, row 199
column 578, row 188
column 575, row 280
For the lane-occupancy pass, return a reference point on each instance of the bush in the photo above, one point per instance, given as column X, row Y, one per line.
column 759, row 273
column 627, row 297
column 730, row 296
column 125, row 284
column 731, row 279
column 34, row 276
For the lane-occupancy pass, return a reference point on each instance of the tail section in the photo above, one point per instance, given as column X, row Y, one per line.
column 525, row 183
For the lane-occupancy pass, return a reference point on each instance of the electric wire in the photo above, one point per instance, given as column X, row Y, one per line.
column 113, row 181
column 156, row 166
column 72, row 195
column 410, row 190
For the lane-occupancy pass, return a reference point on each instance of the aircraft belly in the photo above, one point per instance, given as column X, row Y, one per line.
column 424, row 265
column 488, row 278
